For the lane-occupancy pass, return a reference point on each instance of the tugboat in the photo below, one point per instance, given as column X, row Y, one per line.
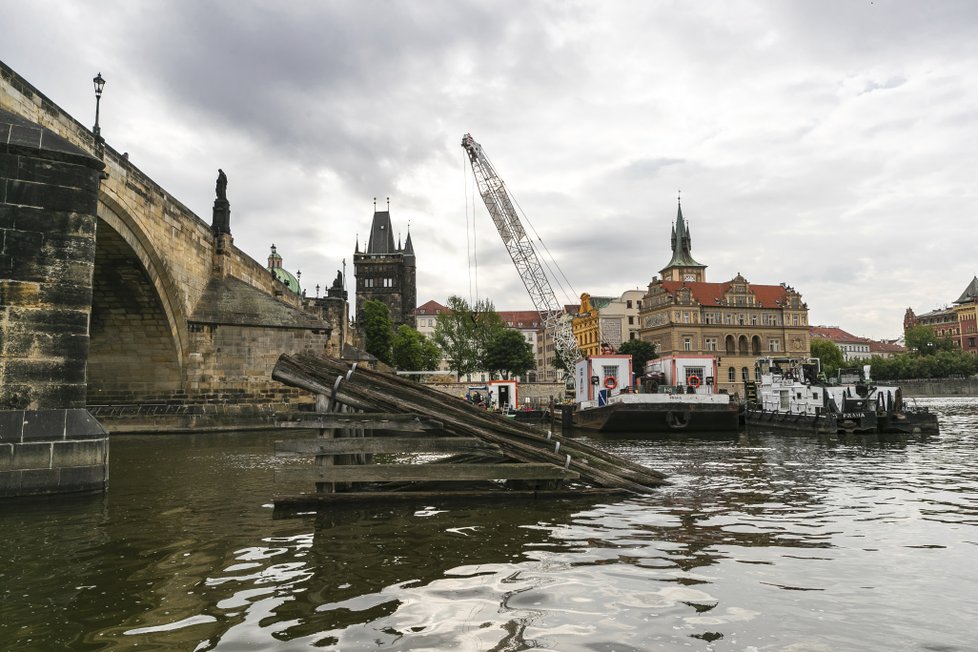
column 791, row 396
column 675, row 395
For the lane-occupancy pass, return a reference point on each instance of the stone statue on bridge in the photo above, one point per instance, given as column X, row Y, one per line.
column 222, row 185
column 221, row 222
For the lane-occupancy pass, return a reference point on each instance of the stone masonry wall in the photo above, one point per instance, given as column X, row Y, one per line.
column 47, row 235
column 51, row 451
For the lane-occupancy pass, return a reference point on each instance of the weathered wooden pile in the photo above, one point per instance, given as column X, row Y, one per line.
column 367, row 419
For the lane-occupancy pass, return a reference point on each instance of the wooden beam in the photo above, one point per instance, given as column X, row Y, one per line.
column 350, row 445
column 426, row 473
column 367, row 420
column 307, row 501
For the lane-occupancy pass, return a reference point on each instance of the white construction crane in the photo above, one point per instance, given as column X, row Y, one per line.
column 556, row 322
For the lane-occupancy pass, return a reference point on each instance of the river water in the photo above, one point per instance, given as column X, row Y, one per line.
column 761, row 542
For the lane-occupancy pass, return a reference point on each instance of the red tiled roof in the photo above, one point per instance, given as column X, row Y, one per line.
column 430, row 308
column 886, row 347
column 835, row 334
column 708, row 293
column 520, row 318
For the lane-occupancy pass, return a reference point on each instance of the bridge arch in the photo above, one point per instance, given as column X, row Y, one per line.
column 138, row 328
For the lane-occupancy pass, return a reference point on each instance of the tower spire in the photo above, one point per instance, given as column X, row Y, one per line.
column 682, row 266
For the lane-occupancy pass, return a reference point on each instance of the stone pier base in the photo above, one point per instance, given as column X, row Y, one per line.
column 52, row 452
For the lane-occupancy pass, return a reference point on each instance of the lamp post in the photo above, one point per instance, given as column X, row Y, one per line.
column 99, row 85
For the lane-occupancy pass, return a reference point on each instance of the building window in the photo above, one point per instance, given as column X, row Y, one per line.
column 687, row 344
column 774, row 344
column 740, row 319
column 631, row 320
column 731, row 374
column 753, row 320
column 744, row 374
column 628, row 303
column 711, row 343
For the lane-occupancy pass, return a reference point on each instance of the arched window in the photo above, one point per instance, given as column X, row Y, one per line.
column 742, row 345
column 732, row 374
column 744, row 374
column 755, row 345
column 730, row 344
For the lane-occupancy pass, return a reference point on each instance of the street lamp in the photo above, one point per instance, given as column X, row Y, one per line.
column 99, row 84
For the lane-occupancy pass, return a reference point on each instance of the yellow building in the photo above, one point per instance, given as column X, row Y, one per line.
column 737, row 321
column 586, row 327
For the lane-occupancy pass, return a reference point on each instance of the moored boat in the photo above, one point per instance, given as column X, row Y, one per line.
column 789, row 395
column 675, row 395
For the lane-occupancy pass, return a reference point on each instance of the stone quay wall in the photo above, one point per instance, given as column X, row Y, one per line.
column 538, row 393
column 52, row 452
column 936, row 387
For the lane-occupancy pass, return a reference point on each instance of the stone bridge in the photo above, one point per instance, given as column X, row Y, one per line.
column 114, row 293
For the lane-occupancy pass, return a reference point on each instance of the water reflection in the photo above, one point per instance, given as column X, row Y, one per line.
column 761, row 543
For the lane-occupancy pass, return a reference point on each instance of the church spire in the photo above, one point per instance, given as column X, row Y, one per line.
column 682, row 266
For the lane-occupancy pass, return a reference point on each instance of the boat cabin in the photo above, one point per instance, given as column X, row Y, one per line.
column 680, row 374
column 602, row 376
column 504, row 394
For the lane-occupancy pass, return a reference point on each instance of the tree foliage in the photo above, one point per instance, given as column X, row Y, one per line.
column 509, row 354
column 487, row 326
column 412, row 351
column 454, row 336
column 923, row 341
column 829, row 355
column 464, row 332
column 378, row 329
column 908, row 366
column 641, row 352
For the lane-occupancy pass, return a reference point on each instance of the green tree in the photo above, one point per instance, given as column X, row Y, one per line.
column 454, row 335
column 829, row 355
column 412, row 351
column 378, row 329
column 430, row 354
column 508, row 353
column 464, row 332
column 923, row 341
column 487, row 326
column 641, row 352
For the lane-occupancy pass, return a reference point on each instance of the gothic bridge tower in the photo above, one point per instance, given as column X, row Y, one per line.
column 386, row 272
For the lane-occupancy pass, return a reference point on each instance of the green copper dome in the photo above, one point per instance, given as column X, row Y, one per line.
column 280, row 273
column 286, row 277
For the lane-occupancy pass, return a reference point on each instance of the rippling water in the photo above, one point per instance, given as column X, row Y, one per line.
column 762, row 542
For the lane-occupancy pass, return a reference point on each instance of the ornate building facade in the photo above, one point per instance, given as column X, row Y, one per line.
column 386, row 272
column 605, row 323
column 959, row 322
column 737, row 321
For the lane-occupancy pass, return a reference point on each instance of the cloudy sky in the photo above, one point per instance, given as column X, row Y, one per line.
column 828, row 145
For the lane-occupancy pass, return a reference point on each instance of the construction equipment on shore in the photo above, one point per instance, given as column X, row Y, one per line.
column 556, row 322
column 366, row 419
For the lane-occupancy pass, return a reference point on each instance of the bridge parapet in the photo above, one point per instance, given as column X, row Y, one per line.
column 175, row 312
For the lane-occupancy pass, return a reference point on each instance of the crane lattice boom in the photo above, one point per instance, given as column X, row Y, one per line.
column 521, row 250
